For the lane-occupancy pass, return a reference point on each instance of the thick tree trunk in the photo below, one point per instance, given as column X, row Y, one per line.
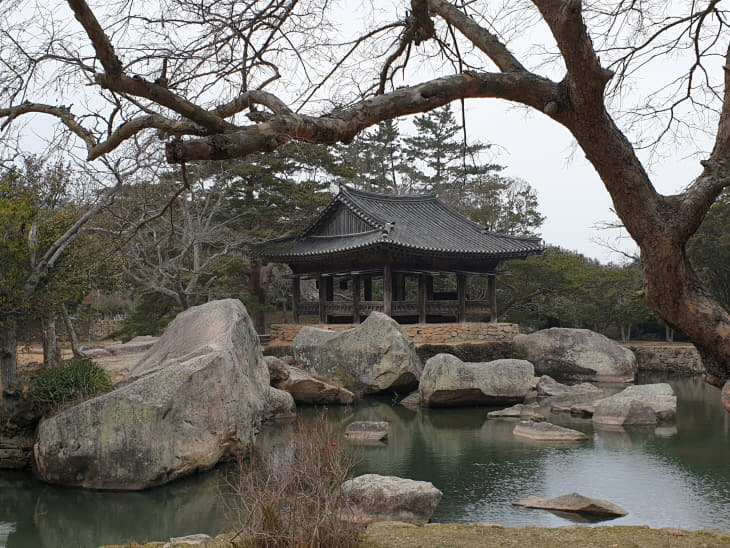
column 8, row 359
column 51, row 352
column 673, row 291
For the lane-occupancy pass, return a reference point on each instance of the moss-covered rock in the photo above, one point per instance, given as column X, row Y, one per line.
column 376, row 356
column 195, row 398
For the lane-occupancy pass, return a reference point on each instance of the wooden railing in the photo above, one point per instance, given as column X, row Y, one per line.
column 398, row 308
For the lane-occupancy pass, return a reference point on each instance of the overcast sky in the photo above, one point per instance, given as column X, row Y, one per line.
column 571, row 195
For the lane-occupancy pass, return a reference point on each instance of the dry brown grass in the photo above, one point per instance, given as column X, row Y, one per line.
column 292, row 497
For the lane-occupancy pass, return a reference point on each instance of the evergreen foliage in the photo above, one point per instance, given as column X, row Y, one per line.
column 72, row 381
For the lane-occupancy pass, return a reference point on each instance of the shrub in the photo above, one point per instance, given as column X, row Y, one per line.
column 75, row 380
column 292, row 496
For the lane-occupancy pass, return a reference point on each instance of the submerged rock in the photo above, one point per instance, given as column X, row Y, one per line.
column 449, row 382
column 312, row 391
column 197, row 397
column 372, row 498
column 546, row 431
column 367, row 431
column 412, row 400
column 376, row 356
column 640, row 405
column 530, row 412
column 574, row 502
column 577, row 355
column 547, row 386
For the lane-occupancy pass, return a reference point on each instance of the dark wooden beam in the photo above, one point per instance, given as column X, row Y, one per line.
column 296, row 296
column 421, row 298
column 492, row 290
column 387, row 290
column 323, row 299
column 461, row 296
column 356, row 299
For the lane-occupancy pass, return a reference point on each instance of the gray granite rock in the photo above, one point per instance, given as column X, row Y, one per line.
column 530, row 412
column 278, row 369
column 376, row 356
column 367, row 431
column 639, row 405
column 372, row 498
column 313, row 391
column 449, row 382
column 547, row 432
column 547, row 386
column 574, row 502
column 577, row 355
column 280, row 405
column 196, row 397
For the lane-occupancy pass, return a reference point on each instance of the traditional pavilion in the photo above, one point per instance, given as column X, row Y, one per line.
column 363, row 237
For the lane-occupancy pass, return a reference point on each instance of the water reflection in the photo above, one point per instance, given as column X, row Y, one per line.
column 671, row 476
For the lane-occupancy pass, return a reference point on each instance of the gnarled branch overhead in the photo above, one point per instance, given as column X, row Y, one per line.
column 219, row 79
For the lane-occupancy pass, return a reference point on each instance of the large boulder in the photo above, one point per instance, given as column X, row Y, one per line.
column 577, row 355
column 639, row 405
column 195, row 398
column 372, row 498
column 312, row 391
column 449, row 382
column 574, row 502
column 726, row 396
column 376, row 356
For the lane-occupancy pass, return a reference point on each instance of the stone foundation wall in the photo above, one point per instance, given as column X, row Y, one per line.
column 679, row 359
column 430, row 333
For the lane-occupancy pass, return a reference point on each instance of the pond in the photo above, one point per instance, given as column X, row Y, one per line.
column 677, row 476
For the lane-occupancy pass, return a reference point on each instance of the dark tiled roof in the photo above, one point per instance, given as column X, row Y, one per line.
column 417, row 222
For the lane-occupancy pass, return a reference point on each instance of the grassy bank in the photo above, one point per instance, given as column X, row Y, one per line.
column 488, row 536
column 450, row 535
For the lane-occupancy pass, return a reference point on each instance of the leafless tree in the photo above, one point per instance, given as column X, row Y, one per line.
column 187, row 70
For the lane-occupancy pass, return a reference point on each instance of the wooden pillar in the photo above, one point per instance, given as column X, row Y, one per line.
column 461, row 296
column 322, row 300
column 492, row 290
column 356, row 299
column 429, row 287
column 329, row 283
column 296, row 295
column 368, row 288
column 398, row 285
column 421, row 298
column 387, row 290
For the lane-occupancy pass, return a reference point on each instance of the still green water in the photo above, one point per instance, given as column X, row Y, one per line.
column 677, row 476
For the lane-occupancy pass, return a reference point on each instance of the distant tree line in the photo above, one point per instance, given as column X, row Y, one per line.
column 157, row 247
